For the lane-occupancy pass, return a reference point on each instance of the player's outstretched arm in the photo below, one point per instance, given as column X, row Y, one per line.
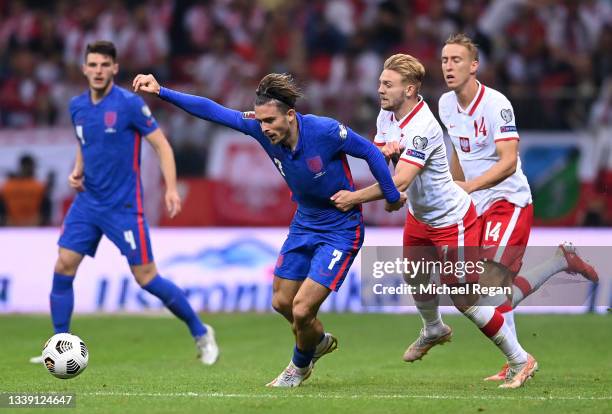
column 359, row 147
column 404, row 175
column 345, row 200
column 198, row 106
column 168, row 166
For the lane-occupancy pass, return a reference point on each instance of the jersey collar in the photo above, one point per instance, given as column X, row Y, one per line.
column 404, row 121
column 103, row 98
column 474, row 104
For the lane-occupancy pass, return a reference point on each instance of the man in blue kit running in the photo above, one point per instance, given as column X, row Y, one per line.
column 310, row 153
column 110, row 122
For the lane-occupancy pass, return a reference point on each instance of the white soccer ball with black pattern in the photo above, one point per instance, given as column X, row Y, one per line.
column 65, row 355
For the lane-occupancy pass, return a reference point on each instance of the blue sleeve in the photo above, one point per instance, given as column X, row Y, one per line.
column 359, row 147
column 209, row 110
column 142, row 119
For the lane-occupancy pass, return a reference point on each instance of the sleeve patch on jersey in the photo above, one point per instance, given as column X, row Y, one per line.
column 419, row 143
column 507, row 128
column 248, row 115
column 415, row 154
column 343, row 131
column 146, row 111
column 506, row 115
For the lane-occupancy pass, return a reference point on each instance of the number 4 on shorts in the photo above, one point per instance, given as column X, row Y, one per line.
column 129, row 237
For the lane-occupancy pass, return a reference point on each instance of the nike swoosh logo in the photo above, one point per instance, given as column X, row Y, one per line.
column 487, row 247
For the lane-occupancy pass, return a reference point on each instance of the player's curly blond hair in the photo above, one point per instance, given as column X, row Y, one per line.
column 409, row 67
column 465, row 41
column 279, row 87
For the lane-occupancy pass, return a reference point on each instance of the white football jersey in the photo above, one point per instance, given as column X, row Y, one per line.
column 433, row 196
column 474, row 131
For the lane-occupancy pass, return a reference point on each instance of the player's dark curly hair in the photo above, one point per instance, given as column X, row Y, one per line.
column 279, row 87
column 102, row 47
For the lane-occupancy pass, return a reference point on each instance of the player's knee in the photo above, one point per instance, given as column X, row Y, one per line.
column 495, row 274
column 144, row 273
column 282, row 305
column 66, row 265
column 302, row 314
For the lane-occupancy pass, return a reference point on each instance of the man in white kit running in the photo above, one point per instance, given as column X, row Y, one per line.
column 441, row 215
column 485, row 162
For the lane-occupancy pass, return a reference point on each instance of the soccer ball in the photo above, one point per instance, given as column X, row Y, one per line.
column 65, row 355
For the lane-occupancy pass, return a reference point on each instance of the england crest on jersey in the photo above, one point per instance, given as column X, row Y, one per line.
column 315, row 164
column 110, row 119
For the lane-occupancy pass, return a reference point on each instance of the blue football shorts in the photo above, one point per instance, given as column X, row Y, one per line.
column 83, row 228
column 324, row 256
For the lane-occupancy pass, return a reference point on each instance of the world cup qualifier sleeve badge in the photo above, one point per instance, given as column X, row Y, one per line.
column 419, row 143
column 506, row 115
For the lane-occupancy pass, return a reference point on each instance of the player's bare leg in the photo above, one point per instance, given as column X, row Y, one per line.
column 283, row 293
column 62, row 294
column 308, row 329
column 175, row 300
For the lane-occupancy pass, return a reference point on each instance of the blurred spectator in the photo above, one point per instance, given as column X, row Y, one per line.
column 198, row 24
column 19, row 27
column 24, row 198
column 143, row 45
column 387, row 28
column 549, row 56
column 602, row 58
column 24, row 100
column 436, row 24
column 214, row 70
column 80, row 32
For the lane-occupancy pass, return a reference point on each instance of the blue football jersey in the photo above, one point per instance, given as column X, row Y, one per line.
column 110, row 136
column 315, row 170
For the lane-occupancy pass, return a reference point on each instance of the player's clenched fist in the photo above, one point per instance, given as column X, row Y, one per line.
column 397, row 205
column 146, row 83
column 344, row 200
column 392, row 149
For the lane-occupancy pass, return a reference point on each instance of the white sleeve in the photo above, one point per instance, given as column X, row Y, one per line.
column 379, row 138
column 420, row 147
column 503, row 123
column 442, row 112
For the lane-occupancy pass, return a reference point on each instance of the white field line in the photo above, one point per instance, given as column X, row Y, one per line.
column 342, row 397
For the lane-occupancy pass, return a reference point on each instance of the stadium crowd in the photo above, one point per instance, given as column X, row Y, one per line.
column 549, row 54
column 551, row 58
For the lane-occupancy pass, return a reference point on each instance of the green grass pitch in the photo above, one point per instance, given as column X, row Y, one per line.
column 141, row 364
